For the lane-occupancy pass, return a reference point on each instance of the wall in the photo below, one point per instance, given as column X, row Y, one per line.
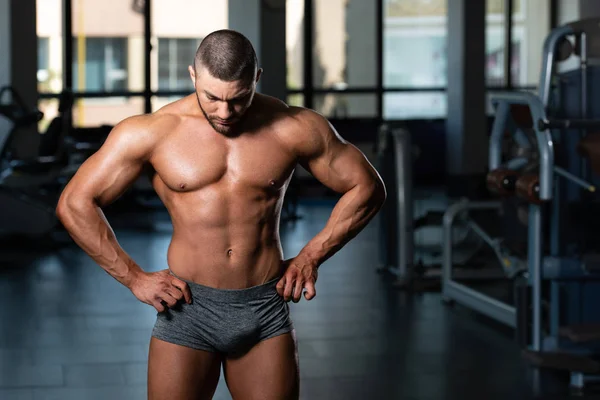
column 187, row 18
column 466, row 143
column 244, row 17
column 272, row 30
column 4, row 42
column 589, row 8
column 5, row 59
column 23, row 64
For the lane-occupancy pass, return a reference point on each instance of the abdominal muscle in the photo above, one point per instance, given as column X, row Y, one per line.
column 225, row 242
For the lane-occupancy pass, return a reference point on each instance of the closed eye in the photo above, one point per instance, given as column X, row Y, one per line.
column 240, row 99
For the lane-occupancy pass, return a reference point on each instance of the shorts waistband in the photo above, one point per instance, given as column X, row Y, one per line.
column 244, row 294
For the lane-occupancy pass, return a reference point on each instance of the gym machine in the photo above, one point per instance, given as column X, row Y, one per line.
column 29, row 188
column 398, row 224
column 549, row 174
column 395, row 222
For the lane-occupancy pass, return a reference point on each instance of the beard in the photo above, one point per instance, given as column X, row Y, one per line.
column 227, row 130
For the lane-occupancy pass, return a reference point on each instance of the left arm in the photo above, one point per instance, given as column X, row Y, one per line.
column 343, row 168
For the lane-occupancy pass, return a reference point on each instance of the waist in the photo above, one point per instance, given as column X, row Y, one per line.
column 225, row 265
column 242, row 295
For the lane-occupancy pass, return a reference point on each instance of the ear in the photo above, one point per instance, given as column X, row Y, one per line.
column 258, row 74
column 192, row 74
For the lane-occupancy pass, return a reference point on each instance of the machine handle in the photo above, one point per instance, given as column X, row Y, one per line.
column 576, row 180
column 568, row 123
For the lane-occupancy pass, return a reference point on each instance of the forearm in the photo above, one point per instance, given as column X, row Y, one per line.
column 355, row 209
column 88, row 227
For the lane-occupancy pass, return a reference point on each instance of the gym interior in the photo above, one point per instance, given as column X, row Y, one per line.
column 477, row 278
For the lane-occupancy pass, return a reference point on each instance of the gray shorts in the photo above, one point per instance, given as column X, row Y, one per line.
column 225, row 320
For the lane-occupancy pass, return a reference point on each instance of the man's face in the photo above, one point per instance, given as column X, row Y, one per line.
column 223, row 103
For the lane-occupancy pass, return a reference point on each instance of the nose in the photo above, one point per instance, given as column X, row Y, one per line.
column 225, row 111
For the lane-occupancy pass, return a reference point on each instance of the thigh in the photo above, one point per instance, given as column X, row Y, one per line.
column 269, row 371
column 180, row 373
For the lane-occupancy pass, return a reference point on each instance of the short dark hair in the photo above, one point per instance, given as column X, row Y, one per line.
column 227, row 55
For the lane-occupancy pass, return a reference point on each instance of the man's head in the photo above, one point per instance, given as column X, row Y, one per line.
column 225, row 73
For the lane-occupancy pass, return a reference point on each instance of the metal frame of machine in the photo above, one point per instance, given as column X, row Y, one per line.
column 543, row 190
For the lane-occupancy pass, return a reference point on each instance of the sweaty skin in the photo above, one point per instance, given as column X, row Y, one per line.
column 224, row 192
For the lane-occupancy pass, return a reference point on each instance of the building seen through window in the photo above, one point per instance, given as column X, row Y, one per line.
column 174, row 57
column 108, row 52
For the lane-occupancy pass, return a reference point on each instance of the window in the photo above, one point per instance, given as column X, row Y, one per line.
column 296, row 100
column 346, row 105
column 178, row 28
column 495, row 29
column 415, row 105
column 174, row 57
column 414, row 56
column 531, row 22
column 50, row 57
column 106, row 111
column 108, row 41
column 49, row 107
column 100, row 64
column 414, row 43
column 43, row 69
column 344, row 47
column 294, row 43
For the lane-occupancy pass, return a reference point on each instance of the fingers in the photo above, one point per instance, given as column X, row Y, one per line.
column 310, row 292
column 291, row 285
column 185, row 289
column 298, row 289
column 171, row 293
column 174, row 293
column 281, row 286
column 158, row 305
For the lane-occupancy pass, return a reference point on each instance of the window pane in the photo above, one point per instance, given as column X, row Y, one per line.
column 296, row 100
column 336, row 105
column 174, row 57
column 294, row 43
column 109, row 110
column 531, row 21
column 413, row 105
column 495, row 28
column 178, row 28
column 50, row 109
column 108, row 46
column 105, row 67
column 414, row 43
column 160, row 101
column 49, row 31
column 344, row 45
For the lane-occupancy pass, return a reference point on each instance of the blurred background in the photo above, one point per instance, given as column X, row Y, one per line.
column 480, row 275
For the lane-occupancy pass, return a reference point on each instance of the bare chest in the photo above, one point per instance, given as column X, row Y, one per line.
column 189, row 163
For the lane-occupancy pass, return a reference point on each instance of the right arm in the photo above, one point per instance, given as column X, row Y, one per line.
column 100, row 180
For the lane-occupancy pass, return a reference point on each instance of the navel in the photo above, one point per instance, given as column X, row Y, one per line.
column 229, row 253
column 272, row 182
column 182, row 186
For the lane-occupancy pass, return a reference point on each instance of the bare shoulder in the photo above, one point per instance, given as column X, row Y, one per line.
column 309, row 131
column 139, row 135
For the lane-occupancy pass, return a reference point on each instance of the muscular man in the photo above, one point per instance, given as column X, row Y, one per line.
column 222, row 159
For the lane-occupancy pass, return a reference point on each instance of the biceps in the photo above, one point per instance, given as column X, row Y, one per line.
column 341, row 168
column 104, row 177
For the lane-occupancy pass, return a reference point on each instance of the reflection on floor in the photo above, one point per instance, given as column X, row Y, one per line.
column 69, row 331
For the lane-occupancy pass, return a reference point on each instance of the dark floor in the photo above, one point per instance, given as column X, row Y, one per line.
column 69, row 331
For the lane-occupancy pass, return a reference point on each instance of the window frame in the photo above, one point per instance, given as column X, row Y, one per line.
column 308, row 91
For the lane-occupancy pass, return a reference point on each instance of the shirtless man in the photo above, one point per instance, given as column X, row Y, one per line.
column 221, row 161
